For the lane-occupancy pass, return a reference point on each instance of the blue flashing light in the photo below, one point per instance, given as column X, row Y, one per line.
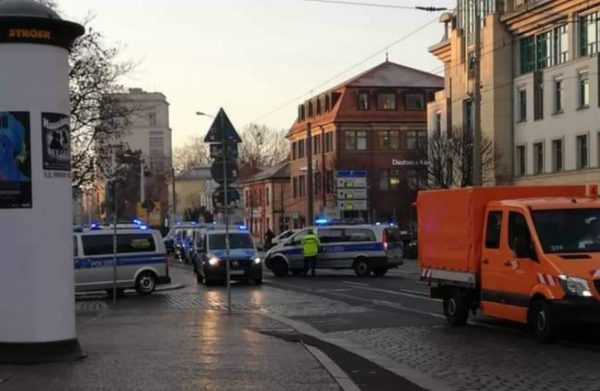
column 179, row 223
column 137, row 221
column 243, row 228
column 144, row 227
column 321, row 221
column 194, row 223
column 378, row 223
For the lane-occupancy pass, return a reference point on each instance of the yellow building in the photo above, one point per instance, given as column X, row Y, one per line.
column 193, row 189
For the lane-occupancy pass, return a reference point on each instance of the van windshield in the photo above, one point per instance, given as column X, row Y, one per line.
column 217, row 241
column 568, row 231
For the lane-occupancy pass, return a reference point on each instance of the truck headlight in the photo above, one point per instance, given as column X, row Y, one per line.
column 257, row 261
column 214, row 261
column 575, row 286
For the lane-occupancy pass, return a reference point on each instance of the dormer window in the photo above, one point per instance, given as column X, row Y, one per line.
column 327, row 103
column 301, row 113
column 363, row 100
column 318, row 106
column 386, row 101
column 310, row 109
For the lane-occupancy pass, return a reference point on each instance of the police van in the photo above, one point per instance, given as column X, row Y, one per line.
column 141, row 260
column 211, row 257
column 364, row 248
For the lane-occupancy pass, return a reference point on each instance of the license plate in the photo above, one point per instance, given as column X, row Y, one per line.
column 237, row 272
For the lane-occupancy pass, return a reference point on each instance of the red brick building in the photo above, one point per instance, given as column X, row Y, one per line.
column 265, row 196
column 374, row 122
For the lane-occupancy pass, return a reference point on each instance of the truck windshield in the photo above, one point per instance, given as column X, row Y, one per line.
column 217, row 241
column 568, row 231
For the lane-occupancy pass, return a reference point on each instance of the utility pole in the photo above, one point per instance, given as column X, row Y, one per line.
column 174, row 196
column 477, row 170
column 309, row 172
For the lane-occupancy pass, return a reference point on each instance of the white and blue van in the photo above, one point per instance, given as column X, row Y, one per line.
column 141, row 260
column 211, row 257
column 364, row 248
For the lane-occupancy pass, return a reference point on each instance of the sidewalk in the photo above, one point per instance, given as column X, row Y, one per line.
column 177, row 350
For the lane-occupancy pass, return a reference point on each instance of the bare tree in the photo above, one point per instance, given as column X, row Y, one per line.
column 193, row 154
column 448, row 159
column 263, row 146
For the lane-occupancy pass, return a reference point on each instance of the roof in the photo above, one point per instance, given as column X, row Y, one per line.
column 555, row 203
column 390, row 74
column 279, row 171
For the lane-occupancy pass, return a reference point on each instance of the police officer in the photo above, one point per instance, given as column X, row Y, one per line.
column 310, row 248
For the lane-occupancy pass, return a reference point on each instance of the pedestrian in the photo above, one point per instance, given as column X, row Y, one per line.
column 310, row 249
column 269, row 239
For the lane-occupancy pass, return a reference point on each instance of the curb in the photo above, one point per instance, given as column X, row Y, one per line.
column 165, row 288
column 420, row 379
column 337, row 373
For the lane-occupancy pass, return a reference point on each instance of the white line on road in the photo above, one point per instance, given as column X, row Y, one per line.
column 354, row 283
column 341, row 378
column 405, row 293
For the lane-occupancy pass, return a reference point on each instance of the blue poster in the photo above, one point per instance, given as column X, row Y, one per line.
column 15, row 160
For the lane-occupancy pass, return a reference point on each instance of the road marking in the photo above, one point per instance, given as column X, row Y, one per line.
column 338, row 374
column 354, row 283
column 397, row 293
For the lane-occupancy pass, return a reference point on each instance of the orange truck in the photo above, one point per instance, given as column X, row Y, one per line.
column 525, row 254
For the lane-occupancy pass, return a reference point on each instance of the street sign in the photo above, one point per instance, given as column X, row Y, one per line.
column 352, row 194
column 351, row 173
column 222, row 130
column 218, row 175
column 358, row 205
column 218, row 197
column 216, row 151
column 351, row 183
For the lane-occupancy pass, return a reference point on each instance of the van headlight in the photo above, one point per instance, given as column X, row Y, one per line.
column 575, row 286
column 257, row 261
column 214, row 261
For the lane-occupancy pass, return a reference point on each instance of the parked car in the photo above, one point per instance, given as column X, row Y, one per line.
column 141, row 260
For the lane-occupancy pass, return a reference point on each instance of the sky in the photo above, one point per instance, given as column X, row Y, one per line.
column 252, row 57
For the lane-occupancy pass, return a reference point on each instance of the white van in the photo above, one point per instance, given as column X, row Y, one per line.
column 141, row 260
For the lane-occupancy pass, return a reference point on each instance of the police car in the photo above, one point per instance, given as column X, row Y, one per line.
column 364, row 248
column 211, row 257
column 141, row 259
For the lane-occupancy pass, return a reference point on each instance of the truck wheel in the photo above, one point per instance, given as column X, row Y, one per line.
column 456, row 308
column 280, row 268
column 380, row 271
column 145, row 283
column 542, row 321
column 361, row 267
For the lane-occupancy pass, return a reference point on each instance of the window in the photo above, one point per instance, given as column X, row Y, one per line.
column 356, row 140
column 561, row 44
column 415, row 179
column 331, row 235
column 538, row 98
column 538, row 158
column 268, row 196
column 310, row 109
column 438, row 123
column 327, row 103
column 318, row 106
column 152, row 119
column 301, row 113
column 416, row 139
column 415, row 102
column 557, row 156
column 386, row 101
column 517, row 229
column 316, row 142
column 522, row 102
column 302, row 186
column 543, row 50
column 126, row 243
column 318, row 183
column 559, row 95
column 360, row 235
column 520, row 161
column 527, row 51
column 329, row 142
column 75, row 251
column 294, row 150
column 389, row 140
column 301, row 149
column 295, row 187
column 494, row 228
column 589, row 33
column 330, row 182
column 583, row 83
column 389, row 180
column 363, row 100
column 468, row 115
column 582, row 152
column 157, row 140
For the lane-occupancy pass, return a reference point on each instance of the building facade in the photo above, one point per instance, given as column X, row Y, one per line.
column 265, row 198
column 376, row 122
column 539, row 87
column 193, row 190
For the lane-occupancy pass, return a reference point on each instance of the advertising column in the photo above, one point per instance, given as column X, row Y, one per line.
column 37, row 314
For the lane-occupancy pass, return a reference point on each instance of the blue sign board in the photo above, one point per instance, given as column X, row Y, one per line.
column 351, row 174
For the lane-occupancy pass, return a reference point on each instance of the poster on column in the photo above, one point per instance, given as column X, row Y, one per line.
column 15, row 160
column 56, row 142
